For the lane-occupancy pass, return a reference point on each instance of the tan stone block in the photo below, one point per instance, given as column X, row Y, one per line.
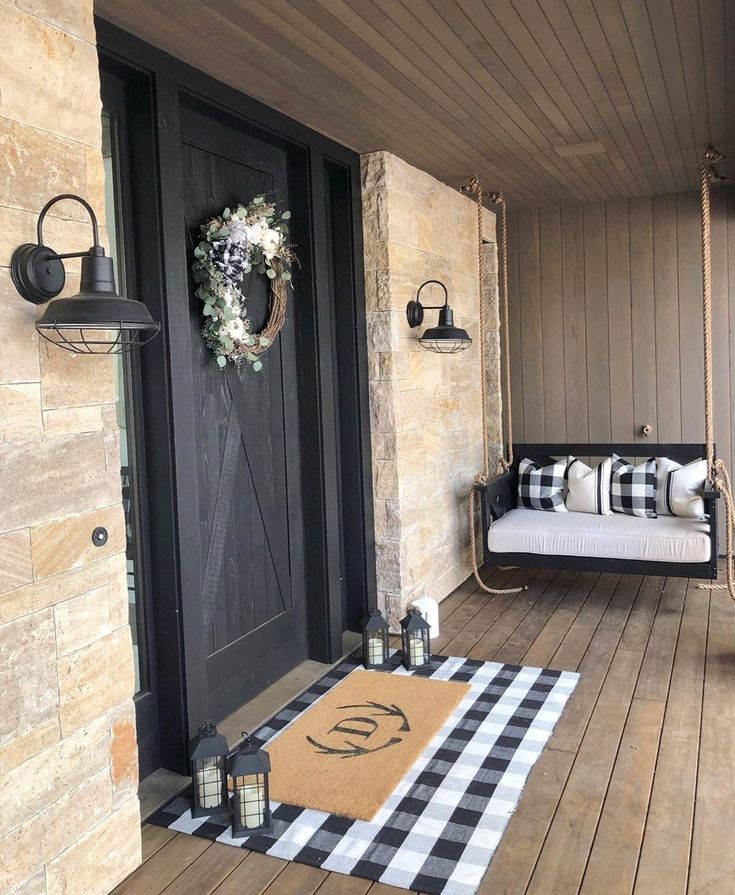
column 111, row 437
column 384, row 292
column 89, row 617
column 388, row 565
column 371, row 291
column 382, row 410
column 36, row 885
column 36, row 165
column 416, row 421
column 489, row 224
column 27, row 674
column 64, row 75
column 19, row 355
column 67, row 543
column 95, row 679
column 124, row 754
column 20, row 412
column 50, row 591
column 72, row 420
column 426, row 238
column 102, row 858
column 375, row 255
column 384, row 445
column 71, row 380
column 374, row 216
column 408, row 259
column 403, row 222
column 48, row 775
column 18, row 225
column 54, row 828
column 373, row 170
column 67, row 475
column 68, row 15
column 404, row 178
column 28, row 744
column 15, row 560
column 385, row 479
column 393, row 608
column 380, row 365
column 388, row 522
column 383, row 330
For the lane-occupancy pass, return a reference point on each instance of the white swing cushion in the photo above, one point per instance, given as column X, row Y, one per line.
column 666, row 539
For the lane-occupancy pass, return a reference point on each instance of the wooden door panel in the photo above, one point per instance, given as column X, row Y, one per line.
column 247, row 444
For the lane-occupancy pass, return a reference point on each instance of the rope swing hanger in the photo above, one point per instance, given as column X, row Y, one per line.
column 717, row 471
column 474, row 189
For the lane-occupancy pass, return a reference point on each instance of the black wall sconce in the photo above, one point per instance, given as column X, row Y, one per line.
column 445, row 338
column 97, row 320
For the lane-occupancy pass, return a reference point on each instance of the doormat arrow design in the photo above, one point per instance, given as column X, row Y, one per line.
column 363, row 727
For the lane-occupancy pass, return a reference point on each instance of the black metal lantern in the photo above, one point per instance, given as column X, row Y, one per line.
column 97, row 320
column 251, row 810
column 209, row 751
column 415, row 640
column 445, row 337
column 374, row 639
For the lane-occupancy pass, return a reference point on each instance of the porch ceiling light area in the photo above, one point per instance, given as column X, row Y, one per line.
column 95, row 321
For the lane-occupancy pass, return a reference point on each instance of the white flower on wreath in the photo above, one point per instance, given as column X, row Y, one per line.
column 235, row 329
column 271, row 243
column 256, row 232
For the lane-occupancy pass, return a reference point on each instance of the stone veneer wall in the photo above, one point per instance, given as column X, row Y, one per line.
column 68, row 763
column 425, row 408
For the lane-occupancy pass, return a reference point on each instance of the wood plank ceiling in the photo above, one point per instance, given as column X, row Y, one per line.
column 552, row 101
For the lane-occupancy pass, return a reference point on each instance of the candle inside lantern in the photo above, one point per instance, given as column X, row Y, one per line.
column 252, row 804
column 209, row 781
column 417, row 650
column 375, row 650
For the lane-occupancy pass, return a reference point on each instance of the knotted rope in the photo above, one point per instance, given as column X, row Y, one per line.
column 474, row 189
column 717, row 471
column 497, row 197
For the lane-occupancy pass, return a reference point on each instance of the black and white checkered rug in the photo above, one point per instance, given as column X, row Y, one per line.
column 438, row 830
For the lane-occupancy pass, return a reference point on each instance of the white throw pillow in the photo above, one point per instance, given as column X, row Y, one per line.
column 679, row 488
column 588, row 487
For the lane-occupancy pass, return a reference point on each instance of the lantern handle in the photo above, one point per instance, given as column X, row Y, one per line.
column 208, row 729
column 246, row 739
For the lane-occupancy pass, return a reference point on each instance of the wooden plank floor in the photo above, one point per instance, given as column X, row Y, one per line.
column 635, row 792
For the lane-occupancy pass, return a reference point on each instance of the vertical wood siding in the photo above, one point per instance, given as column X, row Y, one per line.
column 606, row 322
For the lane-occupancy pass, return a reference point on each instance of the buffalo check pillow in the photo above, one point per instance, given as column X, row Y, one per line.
column 542, row 487
column 633, row 488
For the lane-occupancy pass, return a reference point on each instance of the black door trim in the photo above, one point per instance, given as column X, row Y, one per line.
column 176, row 584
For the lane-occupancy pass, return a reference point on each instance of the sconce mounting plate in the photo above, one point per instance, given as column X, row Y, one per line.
column 415, row 313
column 37, row 272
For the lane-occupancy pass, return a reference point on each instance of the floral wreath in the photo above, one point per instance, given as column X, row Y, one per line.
column 250, row 238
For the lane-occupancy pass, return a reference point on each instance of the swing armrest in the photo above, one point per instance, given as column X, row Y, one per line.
column 498, row 496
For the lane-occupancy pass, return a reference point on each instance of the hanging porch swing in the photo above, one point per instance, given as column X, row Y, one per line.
column 580, row 541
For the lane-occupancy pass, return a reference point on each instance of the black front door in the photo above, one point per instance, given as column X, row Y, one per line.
column 253, row 620
column 255, row 515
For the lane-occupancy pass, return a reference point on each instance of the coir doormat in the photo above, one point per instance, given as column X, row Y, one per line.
column 350, row 750
column 438, row 830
